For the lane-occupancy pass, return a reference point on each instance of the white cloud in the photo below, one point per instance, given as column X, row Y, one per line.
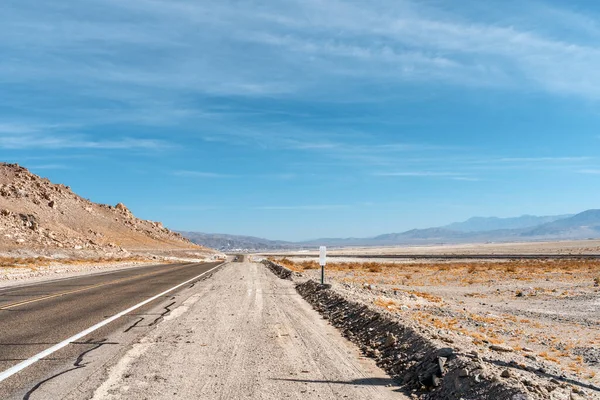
column 543, row 159
column 148, row 61
column 417, row 174
column 428, row 174
column 15, row 128
column 312, row 207
column 589, row 171
column 55, row 141
column 291, row 48
column 46, row 167
column 203, row 174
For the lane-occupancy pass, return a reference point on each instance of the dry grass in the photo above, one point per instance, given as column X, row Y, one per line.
column 548, row 357
column 427, row 296
column 385, row 303
column 463, row 273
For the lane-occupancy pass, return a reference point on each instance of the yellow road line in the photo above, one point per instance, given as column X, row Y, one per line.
column 51, row 296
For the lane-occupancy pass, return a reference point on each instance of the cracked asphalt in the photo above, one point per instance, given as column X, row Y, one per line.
column 36, row 317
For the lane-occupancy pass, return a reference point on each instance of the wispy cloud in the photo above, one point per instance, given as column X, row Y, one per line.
column 312, row 47
column 203, row 175
column 328, row 52
column 311, row 207
column 47, row 166
column 16, row 128
column 427, row 174
column 53, row 141
column 466, row 179
column 415, row 173
column 192, row 207
column 543, row 159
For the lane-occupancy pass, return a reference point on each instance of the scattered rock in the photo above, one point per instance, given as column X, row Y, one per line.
column 121, row 207
column 390, row 340
column 501, row 348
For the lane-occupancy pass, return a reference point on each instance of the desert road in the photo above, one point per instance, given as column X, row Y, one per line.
column 36, row 317
column 237, row 332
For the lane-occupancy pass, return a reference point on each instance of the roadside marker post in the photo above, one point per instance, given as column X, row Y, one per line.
column 323, row 262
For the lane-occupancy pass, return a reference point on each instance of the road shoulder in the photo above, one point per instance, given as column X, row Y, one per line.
column 247, row 335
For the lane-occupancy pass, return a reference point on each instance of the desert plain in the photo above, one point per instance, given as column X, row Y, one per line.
column 540, row 315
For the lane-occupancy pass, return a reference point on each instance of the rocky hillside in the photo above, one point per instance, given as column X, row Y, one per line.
column 37, row 214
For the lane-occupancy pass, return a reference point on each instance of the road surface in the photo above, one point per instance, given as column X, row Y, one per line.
column 33, row 318
column 246, row 334
column 242, row 333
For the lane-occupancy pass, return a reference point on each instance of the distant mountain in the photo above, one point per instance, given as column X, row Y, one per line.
column 429, row 233
column 475, row 230
column 225, row 242
column 580, row 226
column 483, row 224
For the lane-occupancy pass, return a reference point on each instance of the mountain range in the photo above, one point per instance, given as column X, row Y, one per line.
column 585, row 225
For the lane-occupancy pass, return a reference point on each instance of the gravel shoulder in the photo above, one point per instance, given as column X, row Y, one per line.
column 246, row 335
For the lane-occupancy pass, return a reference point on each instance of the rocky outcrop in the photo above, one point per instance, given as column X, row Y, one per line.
column 35, row 213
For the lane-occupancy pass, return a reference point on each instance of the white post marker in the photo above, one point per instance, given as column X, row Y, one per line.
column 323, row 262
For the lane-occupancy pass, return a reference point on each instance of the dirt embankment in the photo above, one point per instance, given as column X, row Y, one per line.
column 505, row 329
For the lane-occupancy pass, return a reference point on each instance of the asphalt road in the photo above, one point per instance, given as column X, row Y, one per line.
column 36, row 317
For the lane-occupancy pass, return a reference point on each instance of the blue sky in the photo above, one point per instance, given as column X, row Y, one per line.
column 301, row 119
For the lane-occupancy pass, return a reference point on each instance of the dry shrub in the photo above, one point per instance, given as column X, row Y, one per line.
column 427, row 296
column 510, row 269
column 309, row 265
column 548, row 357
column 373, row 267
column 384, row 303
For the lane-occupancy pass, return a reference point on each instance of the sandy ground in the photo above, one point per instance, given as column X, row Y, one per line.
column 547, row 312
column 245, row 335
column 553, row 247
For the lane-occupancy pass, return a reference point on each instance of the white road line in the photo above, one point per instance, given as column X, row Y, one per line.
column 24, row 364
